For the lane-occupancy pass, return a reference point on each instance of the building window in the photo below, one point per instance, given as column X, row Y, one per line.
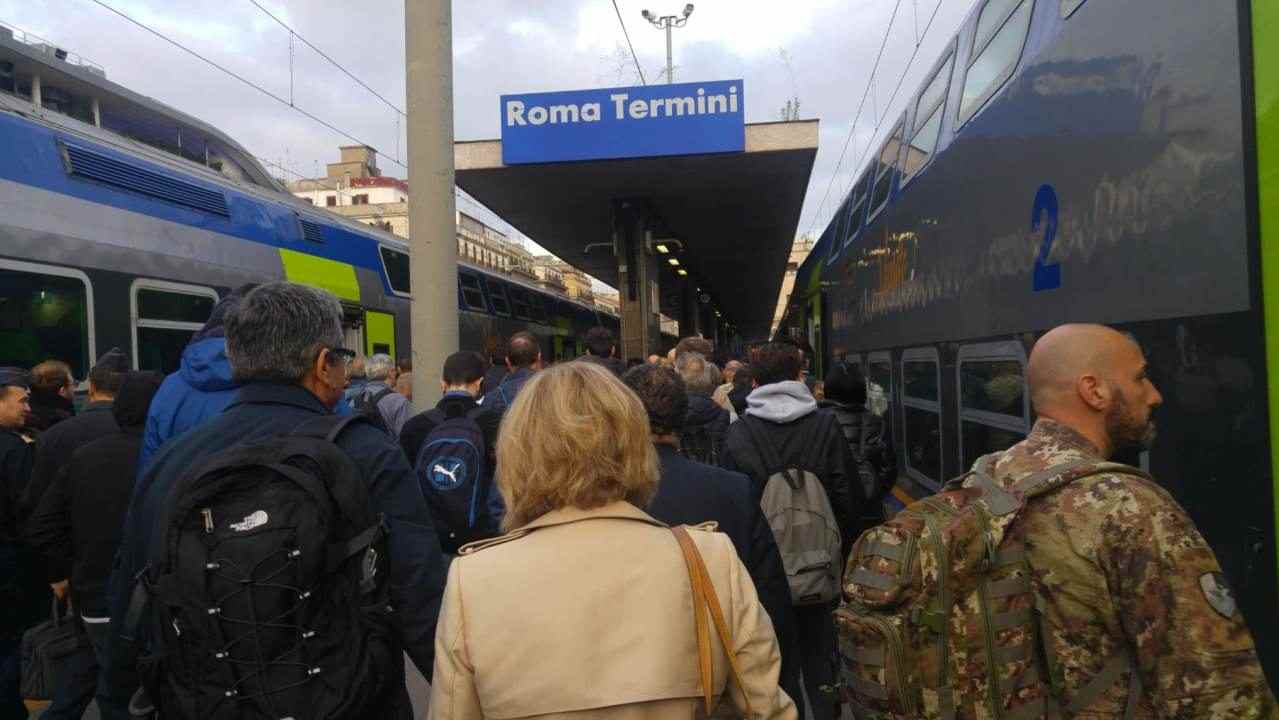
column 360, row 199
column 921, row 402
column 166, row 316
column 994, row 409
column 997, row 44
column 45, row 312
column 330, row 201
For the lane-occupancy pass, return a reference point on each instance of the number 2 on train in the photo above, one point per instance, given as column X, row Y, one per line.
column 1046, row 277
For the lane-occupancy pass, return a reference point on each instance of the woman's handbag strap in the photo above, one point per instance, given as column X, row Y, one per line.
column 704, row 595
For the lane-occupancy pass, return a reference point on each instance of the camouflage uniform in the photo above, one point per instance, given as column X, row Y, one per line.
column 1120, row 568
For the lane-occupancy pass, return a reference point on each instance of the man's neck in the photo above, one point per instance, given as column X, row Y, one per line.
column 459, row 390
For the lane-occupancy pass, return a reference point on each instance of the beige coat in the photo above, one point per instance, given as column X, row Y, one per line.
column 589, row 613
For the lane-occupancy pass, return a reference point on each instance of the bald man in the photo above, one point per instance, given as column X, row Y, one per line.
column 1122, row 576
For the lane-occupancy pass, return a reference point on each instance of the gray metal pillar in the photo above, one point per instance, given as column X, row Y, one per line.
column 637, row 280
column 428, row 42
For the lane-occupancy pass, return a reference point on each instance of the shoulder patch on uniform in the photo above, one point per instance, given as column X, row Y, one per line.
column 1218, row 594
column 473, row 547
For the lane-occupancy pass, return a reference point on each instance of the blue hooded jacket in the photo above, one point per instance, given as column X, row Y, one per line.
column 201, row 388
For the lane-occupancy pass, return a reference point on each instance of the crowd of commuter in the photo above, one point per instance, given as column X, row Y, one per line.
column 269, row 531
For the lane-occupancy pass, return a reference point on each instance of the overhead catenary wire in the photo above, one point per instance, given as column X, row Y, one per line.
column 326, row 56
column 241, row 78
column 627, row 35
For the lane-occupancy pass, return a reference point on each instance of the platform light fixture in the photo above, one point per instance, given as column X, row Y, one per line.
column 667, row 22
column 673, row 261
column 682, row 272
column 662, row 248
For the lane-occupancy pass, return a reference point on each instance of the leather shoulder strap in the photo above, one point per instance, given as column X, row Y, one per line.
column 704, row 595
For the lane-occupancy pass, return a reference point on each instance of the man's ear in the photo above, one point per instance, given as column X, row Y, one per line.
column 444, row 386
column 1093, row 392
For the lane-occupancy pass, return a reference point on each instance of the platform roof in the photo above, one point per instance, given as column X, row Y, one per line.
column 735, row 213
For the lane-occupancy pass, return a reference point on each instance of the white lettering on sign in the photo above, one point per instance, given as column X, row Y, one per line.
column 624, row 108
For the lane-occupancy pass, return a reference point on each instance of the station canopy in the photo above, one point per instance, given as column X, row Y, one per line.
column 736, row 213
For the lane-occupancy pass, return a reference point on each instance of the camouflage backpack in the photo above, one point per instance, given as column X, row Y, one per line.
column 938, row 619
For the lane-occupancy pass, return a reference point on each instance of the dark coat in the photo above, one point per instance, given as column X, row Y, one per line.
column 501, row 397
column 690, row 493
column 54, row 448
column 814, row 443
column 24, row 596
column 418, row 428
column 612, row 364
column 78, row 522
column 268, row 409
column 493, row 377
column 199, row 390
column 705, row 423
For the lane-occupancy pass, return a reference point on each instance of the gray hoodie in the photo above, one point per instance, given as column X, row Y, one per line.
column 781, row 402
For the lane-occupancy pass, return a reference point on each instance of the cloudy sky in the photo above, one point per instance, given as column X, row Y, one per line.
column 819, row 51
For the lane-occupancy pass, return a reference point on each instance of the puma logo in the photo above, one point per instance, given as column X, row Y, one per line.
column 445, row 471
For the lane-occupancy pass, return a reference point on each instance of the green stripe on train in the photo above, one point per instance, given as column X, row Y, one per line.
column 1265, row 54
column 338, row 278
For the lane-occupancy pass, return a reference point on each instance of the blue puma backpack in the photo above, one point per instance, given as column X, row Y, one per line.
column 452, row 468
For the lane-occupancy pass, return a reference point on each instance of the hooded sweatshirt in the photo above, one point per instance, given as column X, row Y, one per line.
column 200, row 388
column 781, row 402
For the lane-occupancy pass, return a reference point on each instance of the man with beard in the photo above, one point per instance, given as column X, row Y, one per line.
column 1131, row 599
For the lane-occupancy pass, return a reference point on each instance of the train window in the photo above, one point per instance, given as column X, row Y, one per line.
column 165, row 317
column 994, row 410
column 928, row 114
column 396, row 264
column 921, row 404
column 884, row 172
column 45, row 312
column 858, row 210
column 472, row 295
column 879, row 384
column 497, row 294
column 997, row 44
column 519, row 303
column 1068, row 7
column 537, row 307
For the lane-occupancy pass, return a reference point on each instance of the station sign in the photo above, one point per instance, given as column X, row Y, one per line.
column 648, row 121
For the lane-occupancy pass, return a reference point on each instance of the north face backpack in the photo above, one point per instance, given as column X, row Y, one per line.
column 938, row 619
column 453, row 471
column 267, row 593
column 803, row 523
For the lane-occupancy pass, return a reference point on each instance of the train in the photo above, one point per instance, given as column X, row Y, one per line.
column 122, row 222
column 1076, row 161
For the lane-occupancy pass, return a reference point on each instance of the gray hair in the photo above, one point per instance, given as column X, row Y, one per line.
column 378, row 366
column 692, row 367
column 713, row 376
column 278, row 330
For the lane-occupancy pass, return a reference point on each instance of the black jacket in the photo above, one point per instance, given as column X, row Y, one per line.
column 24, row 596
column 870, row 442
column 48, row 409
column 492, row 378
column 54, row 448
column 812, row 441
column 612, row 364
column 78, row 522
column 705, row 423
column 268, row 409
column 690, row 493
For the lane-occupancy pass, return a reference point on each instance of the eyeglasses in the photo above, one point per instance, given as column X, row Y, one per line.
column 346, row 356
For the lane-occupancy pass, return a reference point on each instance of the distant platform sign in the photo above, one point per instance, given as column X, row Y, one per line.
column 681, row 119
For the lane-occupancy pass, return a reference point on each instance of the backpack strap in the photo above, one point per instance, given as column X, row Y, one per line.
column 772, row 463
column 327, row 427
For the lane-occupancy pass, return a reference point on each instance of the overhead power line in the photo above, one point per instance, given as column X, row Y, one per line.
column 244, row 80
column 325, row 55
column 634, row 57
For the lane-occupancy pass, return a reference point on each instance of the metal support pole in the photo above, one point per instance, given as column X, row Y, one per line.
column 428, row 42
column 670, row 64
column 37, row 93
column 637, row 279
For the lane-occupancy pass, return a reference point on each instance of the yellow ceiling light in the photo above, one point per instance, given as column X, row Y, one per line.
column 661, row 248
column 673, row 261
column 682, row 272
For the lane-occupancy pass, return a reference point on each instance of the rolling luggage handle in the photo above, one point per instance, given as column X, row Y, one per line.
column 704, row 595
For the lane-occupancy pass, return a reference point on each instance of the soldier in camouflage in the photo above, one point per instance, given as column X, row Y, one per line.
column 1123, row 578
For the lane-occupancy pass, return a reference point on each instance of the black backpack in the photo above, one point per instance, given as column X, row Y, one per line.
column 267, row 595
column 452, row 468
column 366, row 403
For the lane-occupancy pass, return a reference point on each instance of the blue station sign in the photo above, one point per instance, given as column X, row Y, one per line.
column 679, row 119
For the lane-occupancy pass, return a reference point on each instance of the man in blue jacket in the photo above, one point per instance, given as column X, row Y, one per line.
column 523, row 358
column 283, row 342
column 200, row 388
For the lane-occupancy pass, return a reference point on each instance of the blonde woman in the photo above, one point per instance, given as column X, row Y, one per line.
column 585, row 608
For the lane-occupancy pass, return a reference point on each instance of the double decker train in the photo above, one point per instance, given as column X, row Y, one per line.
column 1077, row 161
column 122, row 221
